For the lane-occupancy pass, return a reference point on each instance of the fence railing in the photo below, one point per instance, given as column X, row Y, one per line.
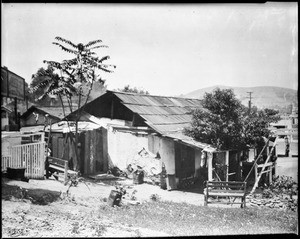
column 29, row 156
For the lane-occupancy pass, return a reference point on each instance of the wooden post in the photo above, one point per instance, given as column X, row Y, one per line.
column 255, row 172
column 43, row 136
column 275, row 169
column 209, row 166
column 66, row 173
column 227, row 164
column 105, row 155
column 270, row 174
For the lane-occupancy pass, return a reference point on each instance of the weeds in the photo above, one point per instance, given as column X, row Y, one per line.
column 155, row 197
column 75, row 228
column 99, row 229
column 281, row 185
column 176, row 219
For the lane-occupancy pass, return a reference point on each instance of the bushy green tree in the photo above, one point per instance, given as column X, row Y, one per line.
column 226, row 124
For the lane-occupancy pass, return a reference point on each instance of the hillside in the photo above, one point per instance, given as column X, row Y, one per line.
column 262, row 96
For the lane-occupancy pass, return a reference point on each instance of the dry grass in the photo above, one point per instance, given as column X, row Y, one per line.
column 180, row 219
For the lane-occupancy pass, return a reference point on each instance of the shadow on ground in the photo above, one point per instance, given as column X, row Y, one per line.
column 36, row 196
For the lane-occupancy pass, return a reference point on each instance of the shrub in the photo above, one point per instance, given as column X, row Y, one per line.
column 281, row 185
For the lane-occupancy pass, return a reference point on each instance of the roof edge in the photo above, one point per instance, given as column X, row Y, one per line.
column 163, row 96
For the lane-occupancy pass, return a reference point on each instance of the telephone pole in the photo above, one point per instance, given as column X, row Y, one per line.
column 250, row 92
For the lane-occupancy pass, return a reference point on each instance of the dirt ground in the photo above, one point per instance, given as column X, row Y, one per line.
column 60, row 217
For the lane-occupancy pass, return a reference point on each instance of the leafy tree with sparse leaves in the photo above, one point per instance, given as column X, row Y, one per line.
column 226, row 124
column 73, row 79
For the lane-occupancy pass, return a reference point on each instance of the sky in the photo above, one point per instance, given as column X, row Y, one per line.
column 167, row 49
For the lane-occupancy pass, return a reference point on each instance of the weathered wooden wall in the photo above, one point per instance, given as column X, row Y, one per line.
column 92, row 150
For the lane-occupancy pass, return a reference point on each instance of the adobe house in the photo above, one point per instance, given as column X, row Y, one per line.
column 156, row 123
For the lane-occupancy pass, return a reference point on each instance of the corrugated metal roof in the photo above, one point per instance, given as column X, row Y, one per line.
column 168, row 119
column 51, row 110
column 56, row 111
column 191, row 142
column 152, row 100
column 164, row 114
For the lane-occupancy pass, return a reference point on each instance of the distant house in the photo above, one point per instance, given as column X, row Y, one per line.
column 134, row 121
column 35, row 118
column 287, row 131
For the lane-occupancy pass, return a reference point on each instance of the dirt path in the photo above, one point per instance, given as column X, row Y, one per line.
column 100, row 190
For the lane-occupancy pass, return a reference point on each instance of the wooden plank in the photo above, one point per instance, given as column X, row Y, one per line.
column 225, row 183
column 266, row 165
column 86, row 152
column 105, row 149
column 227, row 194
column 93, row 151
column 36, row 164
column 224, row 191
column 220, row 202
column 43, row 155
column 29, row 159
column 209, row 165
column 98, row 150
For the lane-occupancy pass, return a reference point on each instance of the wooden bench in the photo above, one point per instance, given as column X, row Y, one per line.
column 58, row 165
column 225, row 190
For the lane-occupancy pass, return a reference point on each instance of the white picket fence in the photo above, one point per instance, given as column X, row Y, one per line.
column 29, row 156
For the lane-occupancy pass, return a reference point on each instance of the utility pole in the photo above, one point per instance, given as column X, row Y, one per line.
column 250, row 92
